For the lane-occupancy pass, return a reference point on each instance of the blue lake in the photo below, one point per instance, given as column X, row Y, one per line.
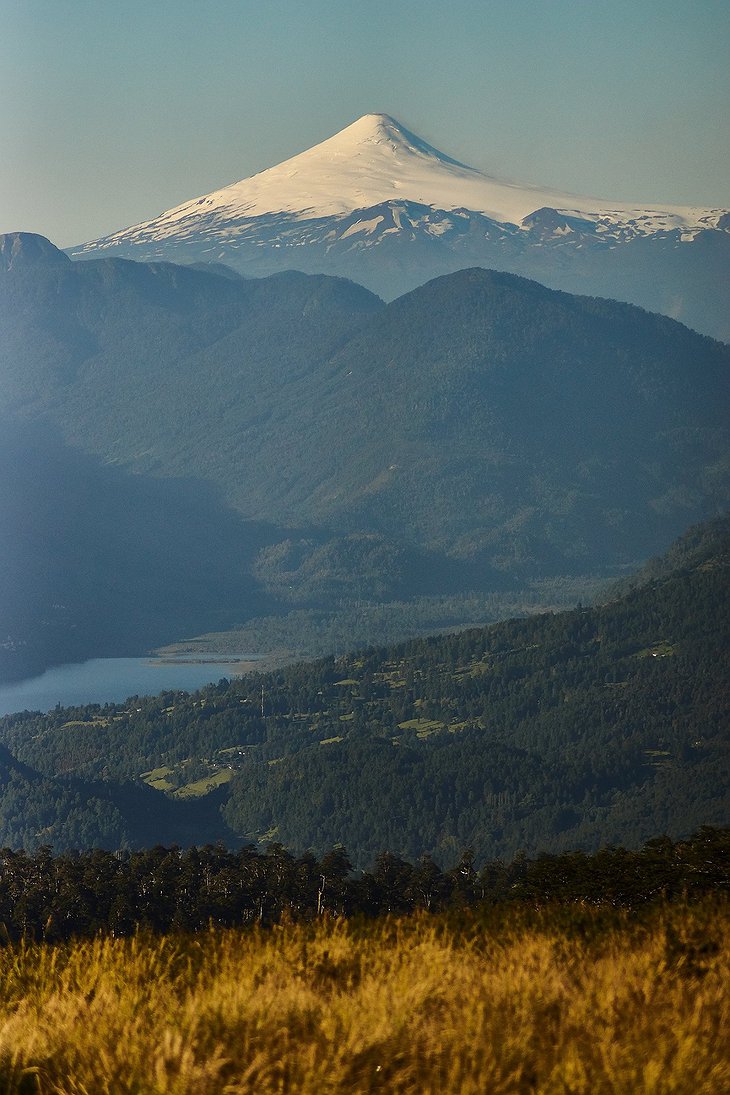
column 112, row 680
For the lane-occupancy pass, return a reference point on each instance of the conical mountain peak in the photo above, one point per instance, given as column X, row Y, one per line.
column 386, row 132
column 372, row 162
column 371, row 127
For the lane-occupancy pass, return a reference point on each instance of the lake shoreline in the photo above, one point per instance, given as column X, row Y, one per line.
column 189, row 653
column 115, row 680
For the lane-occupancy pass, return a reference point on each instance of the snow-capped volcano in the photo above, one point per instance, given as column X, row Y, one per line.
column 380, row 205
column 377, row 160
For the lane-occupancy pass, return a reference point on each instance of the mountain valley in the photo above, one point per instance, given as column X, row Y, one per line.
column 294, row 445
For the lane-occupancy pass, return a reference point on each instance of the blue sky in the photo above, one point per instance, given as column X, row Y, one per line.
column 113, row 110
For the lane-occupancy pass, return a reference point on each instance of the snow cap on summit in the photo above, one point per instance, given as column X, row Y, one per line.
column 379, row 128
column 376, row 160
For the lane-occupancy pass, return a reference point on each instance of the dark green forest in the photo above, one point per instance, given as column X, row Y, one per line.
column 558, row 732
column 169, row 890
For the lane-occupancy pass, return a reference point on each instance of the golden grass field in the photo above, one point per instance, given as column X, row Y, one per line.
column 524, row 1002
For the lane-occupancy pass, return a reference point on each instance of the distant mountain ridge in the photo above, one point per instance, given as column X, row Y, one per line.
column 452, row 412
column 377, row 204
column 476, row 435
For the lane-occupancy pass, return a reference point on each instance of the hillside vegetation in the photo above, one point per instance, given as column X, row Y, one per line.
column 555, row 732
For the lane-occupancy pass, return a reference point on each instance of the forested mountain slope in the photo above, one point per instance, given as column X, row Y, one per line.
column 603, row 724
column 481, row 416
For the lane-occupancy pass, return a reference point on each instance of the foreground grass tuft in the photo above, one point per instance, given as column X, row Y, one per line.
column 413, row 1007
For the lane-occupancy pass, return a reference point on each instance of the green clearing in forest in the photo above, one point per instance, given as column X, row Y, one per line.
column 205, row 785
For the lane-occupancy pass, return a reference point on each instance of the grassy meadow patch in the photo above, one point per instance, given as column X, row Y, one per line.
column 564, row 999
